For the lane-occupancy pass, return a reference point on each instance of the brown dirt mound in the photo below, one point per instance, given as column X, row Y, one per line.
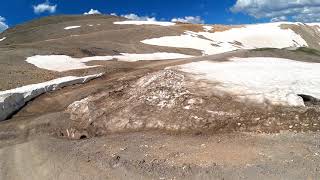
column 172, row 101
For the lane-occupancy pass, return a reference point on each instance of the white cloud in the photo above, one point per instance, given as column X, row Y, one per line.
column 138, row 18
column 3, row 25
column 298, row 10
column 44, row 7
column 189, row 19
column 279, row 19
column 92, row 11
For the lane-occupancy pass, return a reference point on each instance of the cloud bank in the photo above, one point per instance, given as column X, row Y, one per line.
column 92, row 11
column 3, row 25
column 138, row 18
column 189, row 19
column 298, row 10
column 44, row 7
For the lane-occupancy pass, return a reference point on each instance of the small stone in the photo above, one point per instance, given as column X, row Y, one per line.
column 257, row 119
column 123, row 149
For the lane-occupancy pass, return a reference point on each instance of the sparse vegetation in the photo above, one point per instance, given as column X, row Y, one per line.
column 308, row 51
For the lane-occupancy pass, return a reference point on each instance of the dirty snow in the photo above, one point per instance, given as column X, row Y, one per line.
column 12, row 100
column 264, row 80
column 159, row 23
column 62, row 63
column 162, row 88
column 2, row 39
column 207, row 28
column 248, row 37
column 71, row 27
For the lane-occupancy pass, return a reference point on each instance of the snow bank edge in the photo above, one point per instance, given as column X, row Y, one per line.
column 13, row 100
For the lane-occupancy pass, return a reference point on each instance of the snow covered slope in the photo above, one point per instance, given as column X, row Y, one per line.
column 62, row 63
column 263, row 80
column 247, row 37
column 12, row 100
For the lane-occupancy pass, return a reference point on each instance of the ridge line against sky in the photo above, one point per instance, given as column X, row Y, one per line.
column 14, row 12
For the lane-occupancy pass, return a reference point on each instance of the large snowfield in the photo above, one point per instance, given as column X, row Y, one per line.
column 12, row 100
column 263, row 80
column 62, row 63
column 247, row 37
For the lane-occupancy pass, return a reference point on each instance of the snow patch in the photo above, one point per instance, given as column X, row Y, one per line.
column 58, row 63
column 62, row 63
column 194, row 41
column 264, row 80
column 248, row 37
column 12, row 100
column 71, row 27
column 2, row 39
column 159, row 23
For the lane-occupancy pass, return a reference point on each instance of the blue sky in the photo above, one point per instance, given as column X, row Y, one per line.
column 211, row 11
column 13, row 12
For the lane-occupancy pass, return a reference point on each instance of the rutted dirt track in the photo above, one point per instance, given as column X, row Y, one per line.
column 156, row 155
column 37, row 143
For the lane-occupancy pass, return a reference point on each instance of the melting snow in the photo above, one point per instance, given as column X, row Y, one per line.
column 62, row 63
column 248, row 37
column 12, row 100
column 71, row 27
column 2, row 39
column 58, row 63
column 146, row 23
column 264, row 80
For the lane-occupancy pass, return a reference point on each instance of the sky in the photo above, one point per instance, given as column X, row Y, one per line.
column 13, row 12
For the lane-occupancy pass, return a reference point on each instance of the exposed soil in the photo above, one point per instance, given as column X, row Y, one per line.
column 145, row 120
column 48, row 37
column 189, row 131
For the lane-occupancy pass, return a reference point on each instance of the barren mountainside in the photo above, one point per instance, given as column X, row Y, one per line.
column 104, row 97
